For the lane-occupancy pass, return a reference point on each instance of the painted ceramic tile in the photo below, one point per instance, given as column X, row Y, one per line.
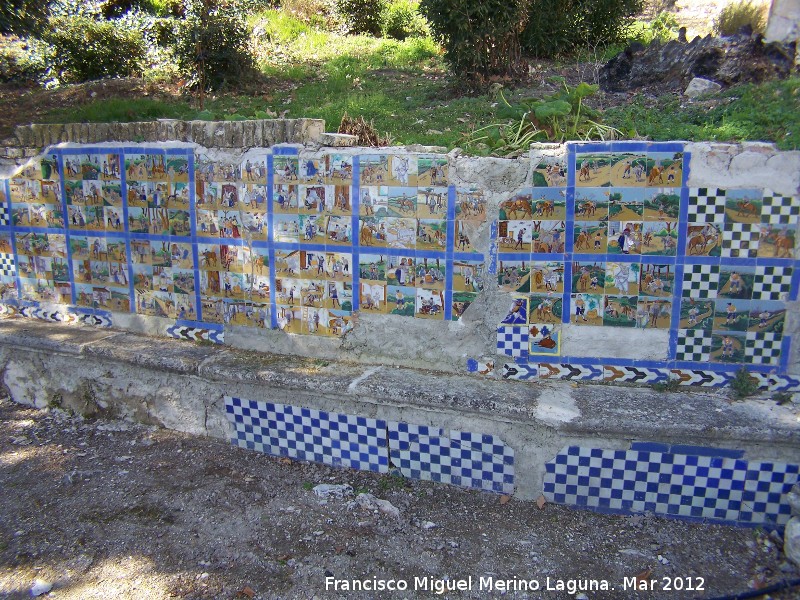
column 432, row 170
column 429, row 304
column 403, row 170
column 657, row 280
column 207, row 195
column 400, row 233
column 213, row 309
column 653, row 313
column 49, row 167
column 545, row 309
column 776, row 209
column 517, row 208
column 235, row 312
column 72, row 168
column 548, row 237
column 372, row 297
column 254, row 225
column 625, row 237
column 727, row 348
column 84, row 295
column 549, row 203
column 401, row 300
column 703, row 240
column 470, row 204
column 550, row 171
column 588, row 277
column 310, row 171
column 284, row 198
column 312, row 198
column 736, row 282
column 544, row 339
column 20, row 215
column 400, row 271
column 777, row 241
column 514, row 275
column 466, row 234
column 514, row 236
column 372, row 232
column 286, row 228
column 665, row 169
column 591, row 204
column 401, row 202
column 697, row 314
column 285, row 169
column 460, row 303
column 338, row 230
column 587, row 309
column 374, row 169
column 659, row 238
column 598, row 169
column 51, row 192
column 252, row 197
column 338, row 169
column 622, row 278
column 431, row 234
column 763, row 348
column 732, row 315
column 620, row 311
column 468, row 275
column 517, row 313
column 767, row 316
column 743, row 206
column 431, row 202
column 374, row 201
column 372, row 267
column 430, row 273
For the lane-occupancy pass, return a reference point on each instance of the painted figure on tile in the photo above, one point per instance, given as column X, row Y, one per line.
column 622, row 278
column 401, row 169
column 520, row 235
column 727, row 346
column 763, row 317
column 735, row 283
column 626, row 173
column 580, row 309
column 693, row 313
column 730, row 314
column 518, row 313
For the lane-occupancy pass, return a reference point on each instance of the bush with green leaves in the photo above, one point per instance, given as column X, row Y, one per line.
column 212, row 47
column 481, row 39
column 23, row 17
column 738, row 14
column 557, row 27
column 403, row 20
column 17, row 64
column 362, row 16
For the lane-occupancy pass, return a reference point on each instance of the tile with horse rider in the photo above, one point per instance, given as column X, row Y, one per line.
column 625, row 237
column 622, row 278
column 461, row 301
column 465, row 236
column 432, row 170
column 374, row 170
column 659, row 238
column 431, row 273
column 697, row 314
column 661, row 204
column 401, row 300
column 372, row 232
column 550, row 171
column 314, row 321
column 290, row 318
column 213, row 309
column 374, row 201
column 704, row 240
column 590, row 237
column 372, row 297
column 548, row 237
column 591, row 204
column 207, row 255
column 252, row 198
column 620, row 311
column 545, row 308
column 587, row 309
column 549, row 203
column 657, row 280
column 431, row 203
column 732, row 315
column 286, row 228
column 338, row 230
column 400, row 271
column 255, row 225
column 653, row 313
column 429, row 304
column 665, row 169
column 728, row 347
column 254, row 170
column 588, row 277
column 339, row 295
column 340, row 322
column 470, row 204
column 284, row 198
column 544, row 339
column 401, row 201
column 517, row 208
column 401, row 233
column 736, row 282
column 431, row 234
column 777, row 241
column 468, row 275
column 743, row 206
column 339, row 266
column 514, row 275
column 337, row 169
column 609, row 169
column 285, row 169
column 767, row 316
column 546, row 276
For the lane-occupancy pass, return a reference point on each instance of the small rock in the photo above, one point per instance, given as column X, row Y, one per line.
column 699, row 86
column 327, row 490
column 791, row 540
column 40, row 586
column 663, row 560
column 428, row 525
column 370, row 502
column 433, row 132
column 793, row 498
column 581, row 597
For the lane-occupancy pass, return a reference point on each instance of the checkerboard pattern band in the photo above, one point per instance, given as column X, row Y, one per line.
column 686, row 485
column 706, row 205
column 306, row 434
column 740, row 240
column 700, row 281
column 4, row 219
column 772, row 283
column 693, row 345
column 512, row 341
column 779, row 210
column 763, row 348
column 461, row 458
column 7, row 265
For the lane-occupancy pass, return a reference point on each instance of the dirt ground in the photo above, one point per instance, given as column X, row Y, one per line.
column 109, row 509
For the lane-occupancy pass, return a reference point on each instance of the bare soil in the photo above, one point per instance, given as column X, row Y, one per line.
column 101, row 509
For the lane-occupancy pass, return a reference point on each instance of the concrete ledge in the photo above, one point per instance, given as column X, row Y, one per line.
column 182, row 386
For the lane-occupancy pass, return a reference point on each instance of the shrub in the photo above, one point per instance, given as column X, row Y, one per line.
column 362, row 16
column 744, row 12
column 481, row 39
column 319, row 13
column 17, row 63
column 82, row 48
column 562, row 26
column 23, row 17
column 212, row 46
column 403, row 20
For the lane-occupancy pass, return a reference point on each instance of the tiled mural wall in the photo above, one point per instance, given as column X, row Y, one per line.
column 604, row 238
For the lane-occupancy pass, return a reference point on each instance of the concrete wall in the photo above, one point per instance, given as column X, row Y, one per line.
column 488, row 252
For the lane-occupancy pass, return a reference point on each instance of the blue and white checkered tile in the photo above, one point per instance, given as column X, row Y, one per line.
column 4, row 219
column 7, row 265
column 512, row 341
column 706, row 205
column 465, row 459
column 779, row 210
column 305, row 434
column 684, row 485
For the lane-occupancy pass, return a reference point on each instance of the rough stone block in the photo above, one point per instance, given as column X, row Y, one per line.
column 339, row 140
column 23, row 134
column 248, row 130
